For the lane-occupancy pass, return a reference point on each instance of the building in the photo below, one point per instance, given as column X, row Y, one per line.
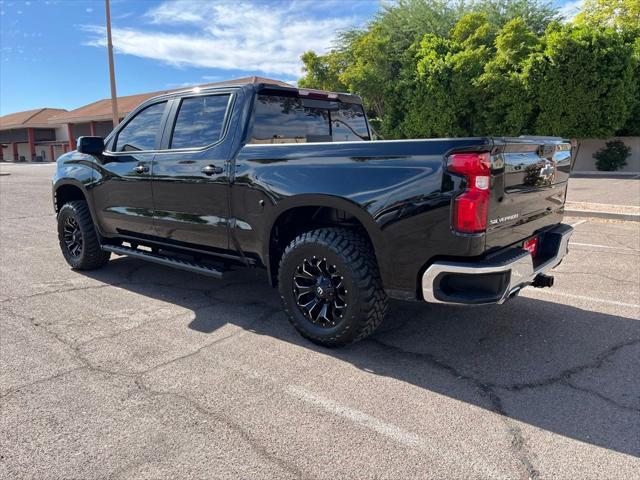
column 28, row 136
column 59, row 129
column 95, row 119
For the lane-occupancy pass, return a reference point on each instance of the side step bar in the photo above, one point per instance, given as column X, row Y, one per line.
column 164, row 260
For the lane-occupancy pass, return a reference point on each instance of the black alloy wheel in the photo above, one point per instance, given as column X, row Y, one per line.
column 72, row 236
column 320, row 291
column 330, row 286
column 78, row 238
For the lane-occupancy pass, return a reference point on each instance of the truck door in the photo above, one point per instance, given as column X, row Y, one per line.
column 190, row 177
column 122, row 193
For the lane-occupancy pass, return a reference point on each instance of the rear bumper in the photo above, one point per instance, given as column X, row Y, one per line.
column 497, row 278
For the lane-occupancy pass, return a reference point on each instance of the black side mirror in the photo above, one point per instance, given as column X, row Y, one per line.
column 91, row 145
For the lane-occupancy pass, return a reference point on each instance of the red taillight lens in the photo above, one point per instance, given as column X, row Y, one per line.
column 471, row 207
column 531, row 245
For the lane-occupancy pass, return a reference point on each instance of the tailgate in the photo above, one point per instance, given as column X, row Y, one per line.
column 529, row 183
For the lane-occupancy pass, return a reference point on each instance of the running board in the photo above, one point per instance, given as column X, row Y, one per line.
column 164, row 260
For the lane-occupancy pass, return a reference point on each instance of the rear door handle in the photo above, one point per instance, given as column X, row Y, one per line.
column 141, row 169
column 212, row 169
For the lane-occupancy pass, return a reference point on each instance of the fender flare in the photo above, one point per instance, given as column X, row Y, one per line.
column 61, row 182
column 319, row 200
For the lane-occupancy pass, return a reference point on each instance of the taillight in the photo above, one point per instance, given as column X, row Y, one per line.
column 531, row 245
column 470, row 208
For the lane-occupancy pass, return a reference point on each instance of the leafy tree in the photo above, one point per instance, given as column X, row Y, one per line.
column 323, row 71
column 506, row 105
column 489, row 67
column 620, row 14
column 536, row 14
column 473, row 30
column 370, row 72
column 447, row 98
column 582, row 82
column 514, row 44
column 632, row 126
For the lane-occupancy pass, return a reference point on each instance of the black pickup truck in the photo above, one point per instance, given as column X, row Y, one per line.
column 289, row 179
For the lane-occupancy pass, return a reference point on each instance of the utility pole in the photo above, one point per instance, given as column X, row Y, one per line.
column 112, row 75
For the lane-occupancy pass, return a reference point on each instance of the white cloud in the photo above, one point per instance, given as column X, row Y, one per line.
column 258, row 37
column 570, row 9
column 88, row 10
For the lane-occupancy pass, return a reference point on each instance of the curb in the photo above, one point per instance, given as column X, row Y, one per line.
column 627, row 217
column 610, row 175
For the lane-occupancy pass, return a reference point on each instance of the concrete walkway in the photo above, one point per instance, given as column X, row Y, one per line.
column 613, row 198
column 612, row 191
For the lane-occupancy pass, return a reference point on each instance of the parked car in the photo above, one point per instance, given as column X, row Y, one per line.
column 289, row 179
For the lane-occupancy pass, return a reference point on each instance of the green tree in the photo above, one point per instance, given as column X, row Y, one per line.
column 582, row 82
column 370, row 71
column 446, row 99
column 473, row 30
column 488, row 67
column 632, row 126
column 323, row 71
column 506, row 103
column 536, row 14
column 620, row 14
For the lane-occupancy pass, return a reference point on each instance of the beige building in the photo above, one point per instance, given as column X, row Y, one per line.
column 28, row 136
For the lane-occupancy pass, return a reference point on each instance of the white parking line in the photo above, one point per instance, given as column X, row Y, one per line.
column 372, row 423
column 579, row 223
column 603, row 246
column 581, row 297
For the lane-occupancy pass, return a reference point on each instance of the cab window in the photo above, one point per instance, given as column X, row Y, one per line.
column 200, row 121
column 286, row 119
column 141, row 131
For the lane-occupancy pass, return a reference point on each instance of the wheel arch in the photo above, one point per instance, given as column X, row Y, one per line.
column 66, row 191
column 69, row 189
column 306, row 212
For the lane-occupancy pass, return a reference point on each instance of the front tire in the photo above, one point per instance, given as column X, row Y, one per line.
column 78, row 238
column 330, row 286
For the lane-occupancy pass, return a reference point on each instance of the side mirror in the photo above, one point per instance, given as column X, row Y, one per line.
column 91, row 145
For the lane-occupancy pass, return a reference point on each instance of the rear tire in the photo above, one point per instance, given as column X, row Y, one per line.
column 350, row 303
column 78, row 238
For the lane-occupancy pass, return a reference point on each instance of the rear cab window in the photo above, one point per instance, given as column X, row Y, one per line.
column 200, row 121
column 291, row 119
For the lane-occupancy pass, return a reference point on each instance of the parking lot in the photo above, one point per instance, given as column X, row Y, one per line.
column 140, row 371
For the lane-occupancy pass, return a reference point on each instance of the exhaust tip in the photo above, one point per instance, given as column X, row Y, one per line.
column 542, row 281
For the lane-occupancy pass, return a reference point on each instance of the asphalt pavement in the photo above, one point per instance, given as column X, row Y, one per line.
column 141, row 371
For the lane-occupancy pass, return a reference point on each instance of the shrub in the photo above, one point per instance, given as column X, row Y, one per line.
column 613, row 156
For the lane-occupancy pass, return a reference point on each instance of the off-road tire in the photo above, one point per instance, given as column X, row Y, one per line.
column 354, row 258
column 91, row 255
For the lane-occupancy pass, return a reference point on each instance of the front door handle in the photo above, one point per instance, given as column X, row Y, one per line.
column 141, row 169
column 212, row 169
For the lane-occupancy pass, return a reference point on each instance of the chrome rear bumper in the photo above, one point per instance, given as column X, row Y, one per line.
column 497, row 278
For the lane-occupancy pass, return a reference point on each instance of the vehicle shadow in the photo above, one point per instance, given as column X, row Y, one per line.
column 570, row 371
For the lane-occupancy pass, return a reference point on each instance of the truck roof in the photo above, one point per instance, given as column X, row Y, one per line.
column 273, row 87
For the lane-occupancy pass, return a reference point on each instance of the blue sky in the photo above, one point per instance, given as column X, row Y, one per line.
column 52, row 52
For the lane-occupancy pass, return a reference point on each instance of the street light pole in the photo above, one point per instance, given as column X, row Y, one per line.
column 112, row 75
